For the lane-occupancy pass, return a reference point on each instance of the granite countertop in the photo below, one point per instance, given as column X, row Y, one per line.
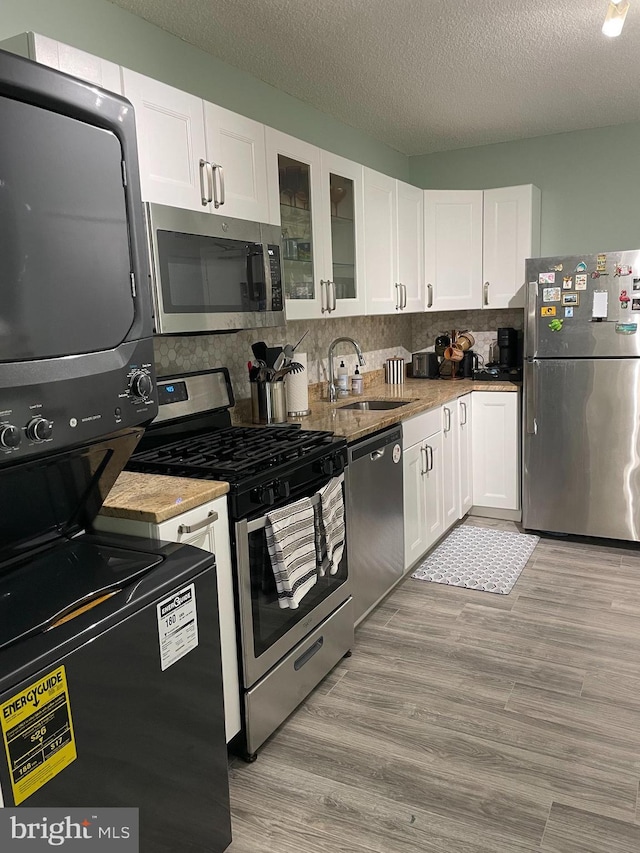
column 155, row 498
column 422, row 394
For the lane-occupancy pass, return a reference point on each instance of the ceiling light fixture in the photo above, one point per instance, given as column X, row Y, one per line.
column 614, row 21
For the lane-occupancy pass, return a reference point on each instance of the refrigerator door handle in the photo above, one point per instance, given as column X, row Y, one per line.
column 530, row 398
column 532, row 320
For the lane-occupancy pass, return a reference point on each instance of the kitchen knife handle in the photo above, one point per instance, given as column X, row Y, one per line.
column 530, row 398
column 486, row 293
column 429, row 296
column 205, row 522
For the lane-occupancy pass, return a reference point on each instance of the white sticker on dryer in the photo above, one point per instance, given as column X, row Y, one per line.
column 177, row 626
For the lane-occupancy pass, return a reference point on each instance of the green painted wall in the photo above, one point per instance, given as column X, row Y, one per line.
column 590, row 183
column 108, row 31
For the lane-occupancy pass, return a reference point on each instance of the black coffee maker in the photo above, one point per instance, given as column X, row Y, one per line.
column 509, row 356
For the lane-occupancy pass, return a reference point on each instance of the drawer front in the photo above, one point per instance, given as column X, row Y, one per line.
column 423, row 425
column 281, row 691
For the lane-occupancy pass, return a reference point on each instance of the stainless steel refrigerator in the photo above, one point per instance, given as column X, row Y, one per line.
column 581, row 446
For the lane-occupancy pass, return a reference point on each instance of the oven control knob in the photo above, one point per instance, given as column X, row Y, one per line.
column 9, row 436
column 326, row 466
column 283, row 488
column 267, row 495
column 140, row 385
column 39, row 429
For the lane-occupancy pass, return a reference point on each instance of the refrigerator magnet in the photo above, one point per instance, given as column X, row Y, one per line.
column 548, row 311
column 636, row 284
column 556, row 325
column 581, row 267
column 571, row 299
column 568, row 312
column 626, row 328
column 547, row 278
column 601, row 263
column 567, row 282
column 624, row 298
column 581, row 282
column 551, row 294
column 635, row 304
column 623, row 269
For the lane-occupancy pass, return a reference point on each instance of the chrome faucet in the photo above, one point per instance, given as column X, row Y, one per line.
column 332, row 385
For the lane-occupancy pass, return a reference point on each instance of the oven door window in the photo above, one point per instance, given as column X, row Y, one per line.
column 64, row 238
column 210, row 275
column 270, row 621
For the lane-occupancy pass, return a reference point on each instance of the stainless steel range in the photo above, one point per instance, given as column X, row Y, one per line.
column 284, row 653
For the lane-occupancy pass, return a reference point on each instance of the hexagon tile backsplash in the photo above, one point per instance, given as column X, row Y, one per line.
column 379, row 338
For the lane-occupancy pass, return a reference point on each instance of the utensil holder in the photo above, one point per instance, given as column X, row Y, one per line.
column 268, row 402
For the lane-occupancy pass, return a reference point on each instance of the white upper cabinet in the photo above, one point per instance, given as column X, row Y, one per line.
column 317, row 198
column 453, row 249
column 410, row 247
column 511, row 235
column 393, row 245
column 381, row 213
column 72, row 61
column 197, row 155
column 171, row 143
column 476, row 244
column 236, row 151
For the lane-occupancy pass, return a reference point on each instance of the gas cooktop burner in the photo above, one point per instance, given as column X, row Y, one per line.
column 233, row 454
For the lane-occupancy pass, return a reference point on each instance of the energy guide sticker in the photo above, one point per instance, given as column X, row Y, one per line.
column 177, row 626
column 37, row 732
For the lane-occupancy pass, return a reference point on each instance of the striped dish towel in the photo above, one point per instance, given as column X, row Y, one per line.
column 332, row 503
column 291, row 544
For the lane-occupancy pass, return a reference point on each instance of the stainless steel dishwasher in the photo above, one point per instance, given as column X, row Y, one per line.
column 375, row 536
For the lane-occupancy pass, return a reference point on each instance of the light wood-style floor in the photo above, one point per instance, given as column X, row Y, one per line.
column 467, row 722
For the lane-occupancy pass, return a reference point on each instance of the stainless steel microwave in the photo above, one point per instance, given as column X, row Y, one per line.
column 213, row 273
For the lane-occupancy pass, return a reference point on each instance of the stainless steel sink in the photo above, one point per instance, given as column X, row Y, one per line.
column 375, row 405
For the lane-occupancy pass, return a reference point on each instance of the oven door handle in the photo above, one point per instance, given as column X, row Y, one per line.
column 261, row 523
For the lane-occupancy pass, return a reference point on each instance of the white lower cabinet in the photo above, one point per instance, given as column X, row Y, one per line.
column 205, row 527
column 496, row 449
column 450, row 464
column 465, row 454
column 423, row 486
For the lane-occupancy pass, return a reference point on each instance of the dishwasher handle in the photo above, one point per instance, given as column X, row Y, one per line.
column 377, row 454
column 375, row 444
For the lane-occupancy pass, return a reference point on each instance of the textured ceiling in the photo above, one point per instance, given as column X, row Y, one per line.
column 427, row 75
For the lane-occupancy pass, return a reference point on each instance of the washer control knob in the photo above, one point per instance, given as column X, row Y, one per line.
column 9, row 436
column 141, row 385
column 39, row 429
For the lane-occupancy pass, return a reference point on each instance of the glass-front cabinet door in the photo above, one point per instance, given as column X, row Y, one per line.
column 318, row 198
column 295, row 200
column 344, row 247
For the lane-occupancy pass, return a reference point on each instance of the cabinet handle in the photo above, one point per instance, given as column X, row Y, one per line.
column 219, row 171
column 430, row 457
column 423, row 450
column 398, row 298
column 486, row 293
column 323, row 309
column 430, row 295
column 404, row 296
column 334, row 299
column 447, row 419
column 463, row 411
column 207, row 196
column 191, row 528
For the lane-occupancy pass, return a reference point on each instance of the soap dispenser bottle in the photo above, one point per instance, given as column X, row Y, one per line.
column 343, row 380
